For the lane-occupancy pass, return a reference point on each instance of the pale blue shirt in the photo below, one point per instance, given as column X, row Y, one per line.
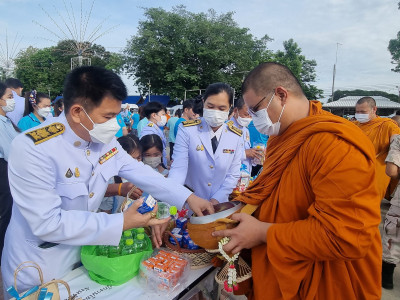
column 143, row 122
column 7, row 134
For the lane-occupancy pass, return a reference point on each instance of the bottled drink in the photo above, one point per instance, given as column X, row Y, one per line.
column 140, row 244
column 102, row 250
column 165, row 210
column 128, row 247
column 127, row 234
column 114, row 251
column 139, row 230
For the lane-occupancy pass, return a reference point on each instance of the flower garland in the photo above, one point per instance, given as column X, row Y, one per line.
column 230, row 284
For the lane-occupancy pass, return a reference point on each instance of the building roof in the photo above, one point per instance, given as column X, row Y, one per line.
column 163, row 99
column 350, row 101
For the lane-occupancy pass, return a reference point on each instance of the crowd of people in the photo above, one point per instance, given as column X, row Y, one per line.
column 68, row 164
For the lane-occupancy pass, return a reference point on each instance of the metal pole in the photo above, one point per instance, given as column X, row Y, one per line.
column 334, row 70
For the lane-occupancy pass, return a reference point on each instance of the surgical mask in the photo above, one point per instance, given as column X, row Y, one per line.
column 362, row 118
column 102, row 133
column 263, row 123
column 243, row 121
column 43, row 112
column 215, row 118
column 163, row 121
column 10, row 105
column 153, row 162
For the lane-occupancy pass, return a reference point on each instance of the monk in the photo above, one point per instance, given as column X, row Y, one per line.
column 315, row 233
column 380, row 131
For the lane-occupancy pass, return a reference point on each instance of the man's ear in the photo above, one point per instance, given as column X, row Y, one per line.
column 282, row 93
column 76, row 112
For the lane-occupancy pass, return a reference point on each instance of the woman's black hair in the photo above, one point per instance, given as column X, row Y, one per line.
column 58, row 104
column 150, row 141
column 33, row 96
column 219, row 87
column 198, row 105
column 239, row 103
column 3, row 88
column 153, row 107
column 130, row 143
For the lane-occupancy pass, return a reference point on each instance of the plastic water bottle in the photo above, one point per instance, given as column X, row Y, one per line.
column 102, row 250
column 114, row 251
column 165, row 210
column 244, row 180
column 128, row 248
column 125, row 236
column 139, row 230
column 140, row 243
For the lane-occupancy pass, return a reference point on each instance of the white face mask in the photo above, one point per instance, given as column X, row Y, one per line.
column 243, row 121
column 362, row 118
column 102, row 133
column 215, row 118
column 163, row 121
column 153, row 162
column 43, row 112
column 10, row 105
column 263, row 123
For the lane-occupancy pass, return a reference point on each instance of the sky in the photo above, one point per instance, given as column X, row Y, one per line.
column 363, row 29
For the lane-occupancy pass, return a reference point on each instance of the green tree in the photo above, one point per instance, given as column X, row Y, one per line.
column 181, row 50
column 301, row 67
column 45, row 69
column 394, row 49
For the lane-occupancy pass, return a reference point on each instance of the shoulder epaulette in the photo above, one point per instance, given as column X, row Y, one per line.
column 150, row 124
column 191, row 123
column 45, row 133
column 234, row 129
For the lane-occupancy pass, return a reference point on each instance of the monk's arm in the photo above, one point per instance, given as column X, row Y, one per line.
column 344, row 217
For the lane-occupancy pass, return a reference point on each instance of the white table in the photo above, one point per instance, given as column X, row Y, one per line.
column 84, row 287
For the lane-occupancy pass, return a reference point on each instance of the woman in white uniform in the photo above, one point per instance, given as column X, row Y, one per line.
column 208, row 152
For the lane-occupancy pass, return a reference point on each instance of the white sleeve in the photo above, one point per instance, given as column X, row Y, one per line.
column 180, row 164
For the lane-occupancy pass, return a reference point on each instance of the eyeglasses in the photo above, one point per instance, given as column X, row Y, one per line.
column 252, row 111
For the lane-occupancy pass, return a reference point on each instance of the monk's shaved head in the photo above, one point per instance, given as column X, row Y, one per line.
column 371, row 101
column 267, row 76
column 396, row 118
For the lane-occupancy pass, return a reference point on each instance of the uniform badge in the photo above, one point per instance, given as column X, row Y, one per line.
column 230, row 151
column 77, row 174
column 200, row 148
column 108, row 155
column 150, row 124
column 45, row 133
column 191, row 123
column 69, row 174
column 234, row 129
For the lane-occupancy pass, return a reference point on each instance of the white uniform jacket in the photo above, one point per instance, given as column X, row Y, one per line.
column 210, row 175
column 247, row 145
column 57, row 186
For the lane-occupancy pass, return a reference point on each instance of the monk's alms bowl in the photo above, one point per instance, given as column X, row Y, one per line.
column 201, row 227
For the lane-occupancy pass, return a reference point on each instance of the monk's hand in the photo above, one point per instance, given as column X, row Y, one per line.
column 198, row 205
column 249, row 233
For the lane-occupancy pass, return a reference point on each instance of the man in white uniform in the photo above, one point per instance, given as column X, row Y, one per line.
column 58, row 174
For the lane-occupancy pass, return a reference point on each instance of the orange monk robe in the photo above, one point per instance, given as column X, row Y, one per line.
column 379, row 131
column 318, row 188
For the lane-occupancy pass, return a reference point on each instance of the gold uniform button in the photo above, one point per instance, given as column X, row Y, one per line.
column 91, row 195
column 211, row 167
column 88, row 152
column 77, row 143
column 92, row 173
column 209, row 184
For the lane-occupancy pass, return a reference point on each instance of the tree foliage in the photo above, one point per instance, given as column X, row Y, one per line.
column 394, row 49
column 301, row 67
column 340, row 94
column 45, row 69
column 181, row 50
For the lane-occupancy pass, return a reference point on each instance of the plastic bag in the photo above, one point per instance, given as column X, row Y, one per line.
column 116, row 270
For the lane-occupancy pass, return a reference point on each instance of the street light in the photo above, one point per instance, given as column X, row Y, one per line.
column 334, row 70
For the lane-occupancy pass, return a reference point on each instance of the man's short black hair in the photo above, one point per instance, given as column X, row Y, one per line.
column 239, row 103
column 153, row 107
column 13, row 83
column 89, row 85
column 188, row 104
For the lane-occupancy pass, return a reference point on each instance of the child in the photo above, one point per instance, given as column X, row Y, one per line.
column 152, row 149
column 118, row 187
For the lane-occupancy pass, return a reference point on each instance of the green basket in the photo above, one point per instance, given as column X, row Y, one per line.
column 116, row 270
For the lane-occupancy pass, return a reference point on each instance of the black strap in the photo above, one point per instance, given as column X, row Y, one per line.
column 214, row 143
